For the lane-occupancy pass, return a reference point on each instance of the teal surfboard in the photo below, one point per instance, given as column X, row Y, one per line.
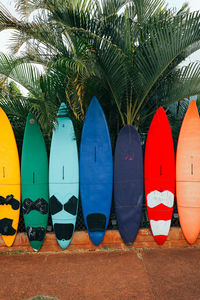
column 34, row 181
column 63, row 178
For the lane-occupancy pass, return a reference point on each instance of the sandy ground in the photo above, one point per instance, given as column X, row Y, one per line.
column 133, row 274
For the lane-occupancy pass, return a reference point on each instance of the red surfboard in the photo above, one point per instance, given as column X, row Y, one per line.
column 159, row 173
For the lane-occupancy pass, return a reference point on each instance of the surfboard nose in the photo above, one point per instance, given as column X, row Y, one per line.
column 97, row 237
column 62, row 109
column 160, row 239
column 36, row 245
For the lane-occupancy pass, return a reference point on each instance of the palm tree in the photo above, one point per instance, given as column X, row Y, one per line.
column 127, row 52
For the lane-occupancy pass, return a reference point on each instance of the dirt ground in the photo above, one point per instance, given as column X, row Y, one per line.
column 133, row 274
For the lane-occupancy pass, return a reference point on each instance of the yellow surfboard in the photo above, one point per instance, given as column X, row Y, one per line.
column 10, row 189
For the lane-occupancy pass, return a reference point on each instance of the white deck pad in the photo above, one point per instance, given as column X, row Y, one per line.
column 156, row 198
column 160, row 227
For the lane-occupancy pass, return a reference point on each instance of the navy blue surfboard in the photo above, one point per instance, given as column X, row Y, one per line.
column 96, row 172
column 128, row 183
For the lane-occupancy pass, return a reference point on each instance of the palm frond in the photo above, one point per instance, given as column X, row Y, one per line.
column 113, row 7
column 146, row 9
column 160, row 51
column 181, row 84
column 23, row 73
column 16, row 109
column 7, row 20
column 25, row 8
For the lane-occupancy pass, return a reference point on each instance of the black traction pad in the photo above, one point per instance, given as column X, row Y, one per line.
column 63, row 231
column 71, row 206
column 6, row 227
column 35, row 233
column 96, row 222
column 40, row 205
column 10, row 200
column 55, row 205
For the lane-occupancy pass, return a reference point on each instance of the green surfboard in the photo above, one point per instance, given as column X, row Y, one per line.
column 34, row 181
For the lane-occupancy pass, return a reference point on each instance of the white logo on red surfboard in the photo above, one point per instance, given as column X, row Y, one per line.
column 160, row 227
column 156, row 198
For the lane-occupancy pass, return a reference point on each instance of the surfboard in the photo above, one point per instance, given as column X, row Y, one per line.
column 128, row 183
column 159, row 173
column 10, row 188
column 96, row 172
column 63, row 178
column 34, row 180
column 188, row 174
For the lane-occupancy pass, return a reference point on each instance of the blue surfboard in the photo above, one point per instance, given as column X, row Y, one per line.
column 128, row 183
column 96, row 172
column 63, row 178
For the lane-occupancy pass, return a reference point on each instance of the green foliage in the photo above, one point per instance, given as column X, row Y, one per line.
column 126, row 52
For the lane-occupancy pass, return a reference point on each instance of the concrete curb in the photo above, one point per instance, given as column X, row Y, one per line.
column 111, row 240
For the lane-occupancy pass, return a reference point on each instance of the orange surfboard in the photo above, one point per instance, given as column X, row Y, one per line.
column 9, row 181
column 188, row 174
